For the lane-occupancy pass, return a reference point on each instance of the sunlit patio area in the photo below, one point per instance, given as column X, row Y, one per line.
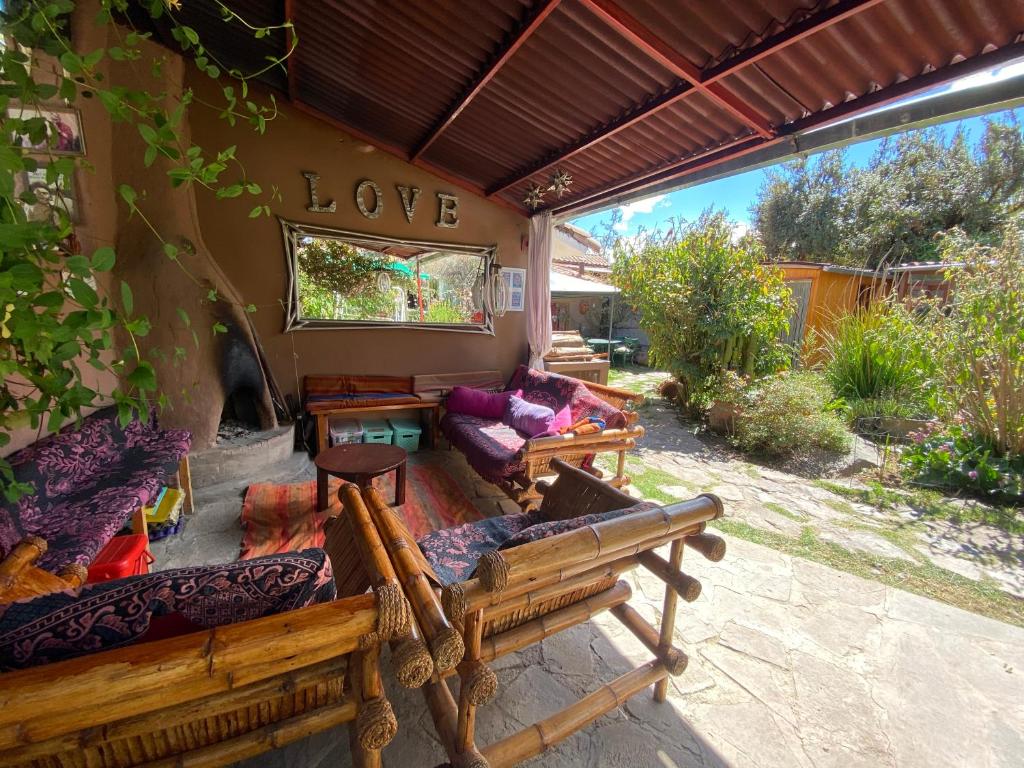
column 330, row 437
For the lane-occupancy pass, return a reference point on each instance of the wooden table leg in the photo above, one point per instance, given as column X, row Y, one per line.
column 400, row 485
column 321, row 432
column 322, row 481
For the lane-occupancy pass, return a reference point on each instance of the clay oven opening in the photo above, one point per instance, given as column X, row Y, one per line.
column 244, row 409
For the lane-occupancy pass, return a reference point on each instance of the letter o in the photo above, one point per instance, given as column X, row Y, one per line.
column 378, row 199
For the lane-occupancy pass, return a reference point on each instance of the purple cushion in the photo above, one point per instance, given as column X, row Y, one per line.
column 491, row 447
column 562, row 420
column 62, row 625
column 529, row 418
column 556, row 392
column 477, row 402
column 544, row 529
column 88, row 480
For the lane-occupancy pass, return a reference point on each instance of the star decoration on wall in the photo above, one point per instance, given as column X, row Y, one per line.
column 560, row 182
column 534, row 196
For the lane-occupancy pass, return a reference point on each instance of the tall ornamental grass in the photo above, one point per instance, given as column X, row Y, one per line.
column 884, row 353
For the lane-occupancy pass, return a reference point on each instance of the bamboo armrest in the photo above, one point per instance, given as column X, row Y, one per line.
column 606, row 392
column 622, row 537
column 446, row 645
column 557, row 442
column 62, row 699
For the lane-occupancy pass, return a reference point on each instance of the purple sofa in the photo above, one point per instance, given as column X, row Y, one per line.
column 88, row 481
column 495, row 450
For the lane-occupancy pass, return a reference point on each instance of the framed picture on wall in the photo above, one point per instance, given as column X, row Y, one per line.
column 47, row 198
column 63, row 130
column 515, row 281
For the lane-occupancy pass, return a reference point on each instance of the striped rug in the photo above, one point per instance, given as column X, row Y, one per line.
column 282, row 518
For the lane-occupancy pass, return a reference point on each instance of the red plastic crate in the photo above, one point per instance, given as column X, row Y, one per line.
column 122, row 556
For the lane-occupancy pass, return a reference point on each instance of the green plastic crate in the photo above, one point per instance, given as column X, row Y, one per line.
column 376, row 431
column 407, row 433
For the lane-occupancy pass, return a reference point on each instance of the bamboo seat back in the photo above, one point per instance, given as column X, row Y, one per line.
column 522, row 595
column 217, row 696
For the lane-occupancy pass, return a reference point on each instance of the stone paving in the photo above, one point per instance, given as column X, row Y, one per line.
column 791, row 663
column 785, row 502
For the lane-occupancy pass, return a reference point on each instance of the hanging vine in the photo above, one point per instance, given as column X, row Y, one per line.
column 59, row 319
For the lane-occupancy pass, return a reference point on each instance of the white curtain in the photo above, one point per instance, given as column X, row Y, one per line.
column 538, row 290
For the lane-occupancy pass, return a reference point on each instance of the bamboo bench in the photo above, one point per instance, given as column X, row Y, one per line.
column 521, row 595
column 217, row 696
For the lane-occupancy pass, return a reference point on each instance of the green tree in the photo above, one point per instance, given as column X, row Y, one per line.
column 916, row 186
column 708, row 304
column 801, row 208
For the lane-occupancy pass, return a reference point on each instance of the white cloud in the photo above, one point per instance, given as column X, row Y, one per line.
column 739, row 229
column 647, row 205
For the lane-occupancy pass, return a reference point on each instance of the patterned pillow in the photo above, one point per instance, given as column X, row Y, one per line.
column 63, row 625
column 543, row 530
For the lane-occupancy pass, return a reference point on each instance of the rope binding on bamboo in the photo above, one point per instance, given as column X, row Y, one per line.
column 675, row 661
column 392, row 611
column 481, row 683
column 447, row 649
column 74, row 572
column 412, row 662
column 453, row 602
column 376, row 725
column 369, row 640
column 492, row 570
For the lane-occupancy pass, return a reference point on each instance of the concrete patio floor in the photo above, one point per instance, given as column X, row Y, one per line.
column 791, row 664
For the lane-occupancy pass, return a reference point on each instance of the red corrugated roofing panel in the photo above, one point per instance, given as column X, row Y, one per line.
column 584, row 87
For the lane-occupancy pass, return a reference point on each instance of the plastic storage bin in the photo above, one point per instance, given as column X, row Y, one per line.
column 344, row 431
column 376, row 431
column 122, row 556
column 407, row 433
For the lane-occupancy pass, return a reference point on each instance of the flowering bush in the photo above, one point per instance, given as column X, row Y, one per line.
column 955, row 458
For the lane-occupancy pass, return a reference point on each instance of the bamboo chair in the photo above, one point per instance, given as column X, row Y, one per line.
column 221, row 695
column 522, row 595
column 538, row 454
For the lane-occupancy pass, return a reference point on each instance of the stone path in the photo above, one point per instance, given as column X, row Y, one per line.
column 785, row 502
column 791, row 664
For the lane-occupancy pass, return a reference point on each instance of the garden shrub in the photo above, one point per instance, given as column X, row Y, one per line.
column 980, row 348
column 955, row 459
column 708, row 304
column 881, row 361
column 982, row 340
column 789, row 414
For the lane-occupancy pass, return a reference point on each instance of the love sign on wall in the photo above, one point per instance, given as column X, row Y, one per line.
column 369, row 199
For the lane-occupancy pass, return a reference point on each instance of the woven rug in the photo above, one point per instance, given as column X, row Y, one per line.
column 282, row 518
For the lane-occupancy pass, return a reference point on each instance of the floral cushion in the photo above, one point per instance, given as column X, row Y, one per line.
column 491, row 447
column 87, row 483
column 63, row 625
column 556, row 391
column 453, row 552
column 544, row 529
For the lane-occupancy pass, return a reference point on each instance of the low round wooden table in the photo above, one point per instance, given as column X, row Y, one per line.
column 359, row 463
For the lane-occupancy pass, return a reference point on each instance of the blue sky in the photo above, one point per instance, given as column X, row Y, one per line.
column 737, row 193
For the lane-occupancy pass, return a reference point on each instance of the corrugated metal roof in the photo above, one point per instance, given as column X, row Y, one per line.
column 497, row 94
column 562, row 284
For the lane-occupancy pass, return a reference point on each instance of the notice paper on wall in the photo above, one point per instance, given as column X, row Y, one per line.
column 515, row 281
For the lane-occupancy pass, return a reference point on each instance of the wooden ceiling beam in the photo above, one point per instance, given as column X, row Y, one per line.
column 647, row 41
column 515, row 40
column 794, row 33
column 772, row 44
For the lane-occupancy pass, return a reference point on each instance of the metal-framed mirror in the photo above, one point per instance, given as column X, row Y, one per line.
column 343, row 279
